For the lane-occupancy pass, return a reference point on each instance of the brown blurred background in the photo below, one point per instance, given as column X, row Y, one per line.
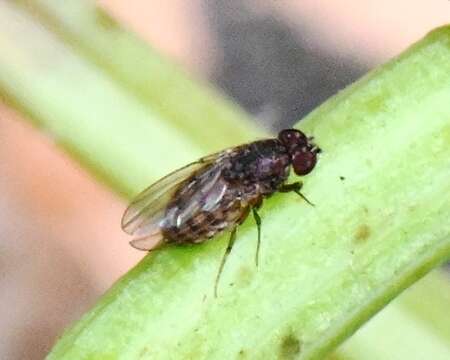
column 60, row 241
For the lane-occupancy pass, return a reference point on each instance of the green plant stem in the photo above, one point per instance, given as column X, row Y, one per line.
column 324, row 270
column 415, row 326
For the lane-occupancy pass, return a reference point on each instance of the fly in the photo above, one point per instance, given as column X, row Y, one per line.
column 218, row 192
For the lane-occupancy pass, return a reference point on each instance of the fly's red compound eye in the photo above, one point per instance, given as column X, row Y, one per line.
column 303, row 161
column 292, row 138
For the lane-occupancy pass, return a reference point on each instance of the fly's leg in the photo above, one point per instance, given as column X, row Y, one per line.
column 258, row 225
column 295, row 187
column 256, row 205
column 232, row 238
column 224, row 259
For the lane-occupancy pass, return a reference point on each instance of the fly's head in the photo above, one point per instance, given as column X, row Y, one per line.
column 301, row 149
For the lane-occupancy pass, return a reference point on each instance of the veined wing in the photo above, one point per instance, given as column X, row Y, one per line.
column 144, row 215
column 202, row 194
column 154, row 199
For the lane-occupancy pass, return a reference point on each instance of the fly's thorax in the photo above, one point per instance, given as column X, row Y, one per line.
column 265, row 163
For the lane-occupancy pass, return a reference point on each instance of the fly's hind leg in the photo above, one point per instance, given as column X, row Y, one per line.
column 295, row 187
column 256, row 205
column 232, row 238
column 231, row 241
column 258, row 226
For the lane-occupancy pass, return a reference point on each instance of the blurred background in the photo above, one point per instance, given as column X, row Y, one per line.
column 277, row 59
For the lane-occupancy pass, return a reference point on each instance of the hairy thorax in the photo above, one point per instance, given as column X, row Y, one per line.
column 261, row 166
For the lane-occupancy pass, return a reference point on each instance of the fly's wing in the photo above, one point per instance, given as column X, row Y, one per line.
column 205, row 194
column 143, row 217
column 144, row 213
column 202, row 194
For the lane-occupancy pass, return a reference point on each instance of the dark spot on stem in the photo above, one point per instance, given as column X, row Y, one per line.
column 362, row 233
column 342, row 178
column 143, row 352
column 245, row 277
column 375, row 104
column 290, row 347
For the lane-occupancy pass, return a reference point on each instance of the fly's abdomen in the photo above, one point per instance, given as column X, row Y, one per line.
column 204, row 224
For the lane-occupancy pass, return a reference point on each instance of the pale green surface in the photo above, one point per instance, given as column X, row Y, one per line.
column 429, row 301
column 324, row 270
column 414, row 339
column 415, row 326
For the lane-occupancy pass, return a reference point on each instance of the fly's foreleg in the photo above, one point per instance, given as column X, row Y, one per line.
column 295, row 187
